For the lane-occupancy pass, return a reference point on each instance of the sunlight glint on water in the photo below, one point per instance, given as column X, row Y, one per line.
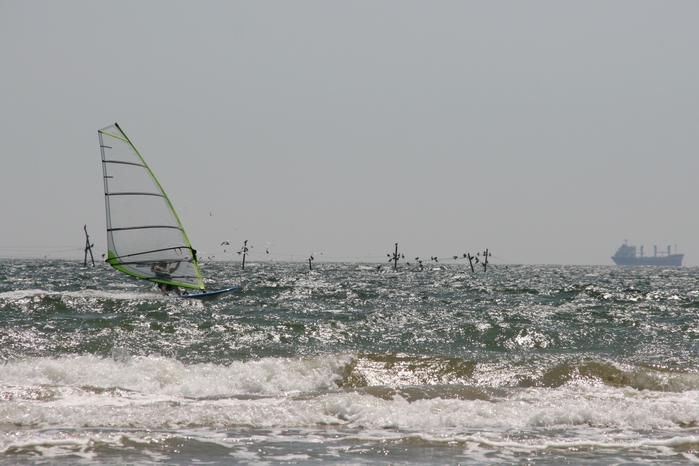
column 349, row 364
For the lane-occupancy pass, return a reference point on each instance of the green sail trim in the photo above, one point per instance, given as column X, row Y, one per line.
column 177, row 217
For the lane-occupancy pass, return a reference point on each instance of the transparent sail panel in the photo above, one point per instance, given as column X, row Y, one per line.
column 144, row 236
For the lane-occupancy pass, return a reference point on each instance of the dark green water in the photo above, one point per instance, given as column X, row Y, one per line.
column 350, row 365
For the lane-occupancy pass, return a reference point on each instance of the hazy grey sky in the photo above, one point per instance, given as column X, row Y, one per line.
column 548, row 132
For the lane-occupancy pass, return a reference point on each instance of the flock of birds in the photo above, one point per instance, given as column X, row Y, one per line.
column 479, row 258
column 395, row 257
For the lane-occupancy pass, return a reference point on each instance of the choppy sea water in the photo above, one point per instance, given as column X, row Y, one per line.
column 348, row 364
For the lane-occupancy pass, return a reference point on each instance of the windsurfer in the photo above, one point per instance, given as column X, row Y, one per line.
column 162, row 271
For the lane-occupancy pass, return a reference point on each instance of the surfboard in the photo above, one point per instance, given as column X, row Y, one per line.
column 206, row 294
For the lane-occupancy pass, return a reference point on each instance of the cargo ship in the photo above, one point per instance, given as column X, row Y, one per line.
column 626, row 255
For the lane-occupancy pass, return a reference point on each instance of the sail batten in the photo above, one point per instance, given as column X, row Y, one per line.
column 132, row 194
column 142, row 227
column 122, row 162
column 141, row 221
column 143, row 253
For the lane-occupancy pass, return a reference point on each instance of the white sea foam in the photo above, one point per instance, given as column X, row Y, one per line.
column 157, row 392
column 470, row 447
column 87, row 294
column 19, row 294
column 165, row 376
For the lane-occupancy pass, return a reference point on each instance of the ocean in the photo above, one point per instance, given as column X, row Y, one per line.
column 350, row 364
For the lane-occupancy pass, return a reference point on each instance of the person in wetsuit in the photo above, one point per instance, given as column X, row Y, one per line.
column 161, row 270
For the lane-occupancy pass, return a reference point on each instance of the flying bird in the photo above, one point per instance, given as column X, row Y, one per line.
column 225, row 242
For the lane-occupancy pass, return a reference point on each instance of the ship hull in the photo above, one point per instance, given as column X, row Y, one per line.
column 673, row 260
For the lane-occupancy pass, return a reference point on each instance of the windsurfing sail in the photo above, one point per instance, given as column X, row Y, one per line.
column 145, row 237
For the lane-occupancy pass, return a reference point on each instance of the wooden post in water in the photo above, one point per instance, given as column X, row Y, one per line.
column 88, row 247
column 310, row 267
column 245, row 252
column 470, row 261
column 395, row 258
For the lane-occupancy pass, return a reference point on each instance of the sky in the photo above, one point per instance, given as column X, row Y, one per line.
column 548, row 132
